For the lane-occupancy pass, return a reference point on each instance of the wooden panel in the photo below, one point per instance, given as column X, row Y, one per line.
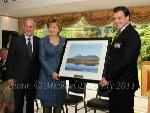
column 148, row 80
column 145, row 83
column 148, row 105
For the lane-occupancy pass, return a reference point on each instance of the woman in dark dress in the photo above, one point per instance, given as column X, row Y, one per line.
column 51, row 90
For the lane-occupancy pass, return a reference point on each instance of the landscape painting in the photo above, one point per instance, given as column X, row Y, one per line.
column 83, row 57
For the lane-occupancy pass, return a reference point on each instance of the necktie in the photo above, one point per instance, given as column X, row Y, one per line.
column 118, row 33
column 116, row 36
column 29, row 46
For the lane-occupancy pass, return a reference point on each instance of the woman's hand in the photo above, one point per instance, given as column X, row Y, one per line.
column 55, row 76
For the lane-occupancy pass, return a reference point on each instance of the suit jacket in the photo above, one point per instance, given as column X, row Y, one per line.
column 2, row 70
column 122, row 60
column 19, row 66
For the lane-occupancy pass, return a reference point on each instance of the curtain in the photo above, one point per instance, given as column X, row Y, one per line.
column 96, row 17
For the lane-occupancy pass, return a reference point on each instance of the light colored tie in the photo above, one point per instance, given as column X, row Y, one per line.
column 118, row 33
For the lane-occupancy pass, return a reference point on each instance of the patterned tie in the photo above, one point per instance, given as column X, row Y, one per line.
column 116, row 36
column 29, row 46
column 118, row 33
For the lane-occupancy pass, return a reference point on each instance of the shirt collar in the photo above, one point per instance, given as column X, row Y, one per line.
column 124, row 27
column 26, row 37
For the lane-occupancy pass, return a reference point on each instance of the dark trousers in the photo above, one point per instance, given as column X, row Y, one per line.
column 49, row 109
column 121, row 101
column 24, row 90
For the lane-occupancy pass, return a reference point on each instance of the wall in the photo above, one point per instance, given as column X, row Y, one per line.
column 7, row 23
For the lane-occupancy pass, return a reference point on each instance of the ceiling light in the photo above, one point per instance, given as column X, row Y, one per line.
column 5, row 1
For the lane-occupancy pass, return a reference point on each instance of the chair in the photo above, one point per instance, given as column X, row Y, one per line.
column 76, row 87
column 101, row 102
column 36, row 103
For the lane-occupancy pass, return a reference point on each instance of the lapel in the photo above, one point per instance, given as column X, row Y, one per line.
column 35, row 46
column 124, row 32
column 1, row 64
column 122, row 35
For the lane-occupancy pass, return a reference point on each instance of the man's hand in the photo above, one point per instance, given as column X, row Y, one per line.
column 55, row 76
column 10, row 82
column 103, row 82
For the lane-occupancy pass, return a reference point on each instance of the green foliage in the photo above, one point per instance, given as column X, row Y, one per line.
column 83, row 30
column 40, row 32
column 110, row 31
column 144, row 32
column 79, row 32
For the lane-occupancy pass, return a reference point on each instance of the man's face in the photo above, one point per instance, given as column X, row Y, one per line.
column 120, row 20
column 29, row 27
column 4, row 55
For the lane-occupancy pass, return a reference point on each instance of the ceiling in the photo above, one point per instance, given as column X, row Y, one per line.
column 28, row 8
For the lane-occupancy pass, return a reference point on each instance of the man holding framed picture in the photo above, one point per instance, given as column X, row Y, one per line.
column 121, row 68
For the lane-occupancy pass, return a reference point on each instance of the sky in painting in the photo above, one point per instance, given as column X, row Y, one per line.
column 85, row 49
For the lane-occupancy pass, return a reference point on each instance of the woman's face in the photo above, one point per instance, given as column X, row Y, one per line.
column 53, row 29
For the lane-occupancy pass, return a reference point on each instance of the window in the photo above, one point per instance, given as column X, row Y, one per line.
column 41, row 32
column 81, row 30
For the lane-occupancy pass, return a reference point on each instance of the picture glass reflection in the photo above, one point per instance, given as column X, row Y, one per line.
column 83, row 57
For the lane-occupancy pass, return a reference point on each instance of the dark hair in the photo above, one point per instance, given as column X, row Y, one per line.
column 123, row 9
column 54, row 20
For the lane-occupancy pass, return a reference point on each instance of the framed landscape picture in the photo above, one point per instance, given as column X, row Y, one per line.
column 84, row 58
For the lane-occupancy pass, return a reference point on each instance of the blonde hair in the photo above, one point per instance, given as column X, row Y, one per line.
column 54, row 20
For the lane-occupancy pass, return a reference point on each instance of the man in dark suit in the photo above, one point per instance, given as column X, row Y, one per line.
column 23, row 67
column 4, row 52
column 121, row 67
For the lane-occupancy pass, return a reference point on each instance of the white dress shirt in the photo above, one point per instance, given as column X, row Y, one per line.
column 31, row 39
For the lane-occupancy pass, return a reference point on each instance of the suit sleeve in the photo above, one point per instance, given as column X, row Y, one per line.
column 132, row 49
column 42, row 57
column 11, row 59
